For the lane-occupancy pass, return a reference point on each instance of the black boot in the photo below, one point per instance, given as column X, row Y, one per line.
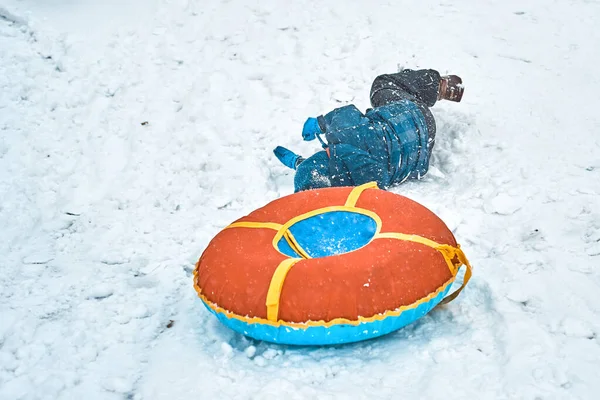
column 451, row 88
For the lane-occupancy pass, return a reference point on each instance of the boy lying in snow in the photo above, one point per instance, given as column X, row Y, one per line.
column 388, row 144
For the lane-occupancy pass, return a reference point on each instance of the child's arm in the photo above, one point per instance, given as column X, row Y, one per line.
column 341, row 118
column 336, row 120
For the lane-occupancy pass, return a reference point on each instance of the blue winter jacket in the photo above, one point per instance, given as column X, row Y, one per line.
column 388, row 144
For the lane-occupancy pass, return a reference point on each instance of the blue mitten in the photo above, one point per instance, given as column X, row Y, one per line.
column 287, row 157
column 310, row 129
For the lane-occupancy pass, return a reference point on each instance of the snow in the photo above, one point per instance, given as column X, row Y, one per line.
column 103, row 217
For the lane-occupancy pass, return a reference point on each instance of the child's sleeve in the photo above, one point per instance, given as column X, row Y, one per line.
column 341, row 118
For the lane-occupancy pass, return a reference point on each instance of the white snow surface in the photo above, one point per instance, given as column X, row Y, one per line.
column 102, row 218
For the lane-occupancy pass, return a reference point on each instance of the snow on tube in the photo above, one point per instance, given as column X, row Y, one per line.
column 329, row 266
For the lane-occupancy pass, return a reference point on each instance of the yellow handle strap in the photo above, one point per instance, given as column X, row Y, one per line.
column 450, row 253
column 295, row 245
column 274, row 293
column 357, row 191
column 257, row 225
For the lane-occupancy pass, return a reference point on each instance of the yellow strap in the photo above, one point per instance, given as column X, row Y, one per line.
column 408, row 238
column 267, row 225
column 357, row 191
column 448, row 252
column 283, row 268
column 468, row 273
column 295, row 245
column 274, row 293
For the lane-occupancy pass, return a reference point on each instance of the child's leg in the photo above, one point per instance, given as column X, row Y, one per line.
column 313, row 173
column 421, row 85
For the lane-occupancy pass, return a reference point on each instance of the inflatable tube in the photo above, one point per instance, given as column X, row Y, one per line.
column 329, row 266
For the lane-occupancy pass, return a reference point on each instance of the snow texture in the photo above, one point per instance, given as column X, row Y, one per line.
column 131, row 132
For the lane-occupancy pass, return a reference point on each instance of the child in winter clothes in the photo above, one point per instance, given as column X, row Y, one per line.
column 388, row 144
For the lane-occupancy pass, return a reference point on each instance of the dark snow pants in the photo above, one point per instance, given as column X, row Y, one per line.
column 418, row 86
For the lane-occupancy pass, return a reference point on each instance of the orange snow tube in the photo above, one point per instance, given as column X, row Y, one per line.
column 329, row 266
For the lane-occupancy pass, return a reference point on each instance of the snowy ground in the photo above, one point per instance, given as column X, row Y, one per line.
column 102, row 217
